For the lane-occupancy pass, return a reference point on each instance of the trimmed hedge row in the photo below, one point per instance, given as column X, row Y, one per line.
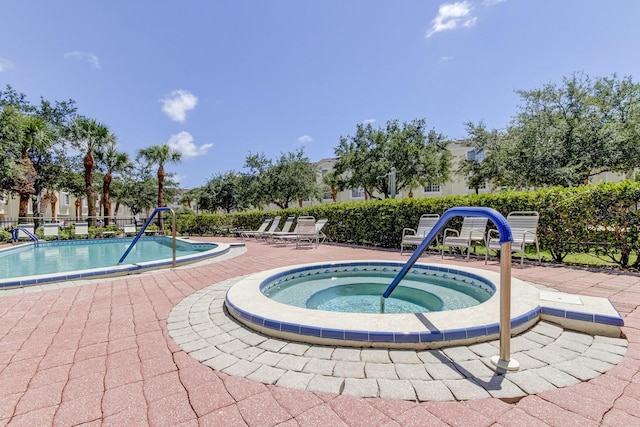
column 601, row 219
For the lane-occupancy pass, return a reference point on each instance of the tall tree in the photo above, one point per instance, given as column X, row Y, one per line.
column 160, row 155
column 291, row 177
column 221, row 192
column 414, row 155
column 482, row 164
column 88, row 135
column 565, row 134
column 110, row 161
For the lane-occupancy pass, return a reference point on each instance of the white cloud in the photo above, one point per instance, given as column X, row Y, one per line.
column 83, row 56
column 492, row 2
column 451, row 16
column 182, row 142
column 177, row 103
column 368, row 121
column 305, row 139
column 5, row 64
column 444, row 59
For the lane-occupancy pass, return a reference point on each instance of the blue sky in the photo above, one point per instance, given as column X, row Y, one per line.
column 221, row 79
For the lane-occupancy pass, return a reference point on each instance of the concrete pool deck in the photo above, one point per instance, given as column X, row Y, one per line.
column 100, row 352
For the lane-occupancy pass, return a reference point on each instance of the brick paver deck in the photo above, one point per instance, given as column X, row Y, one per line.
column 99, row 353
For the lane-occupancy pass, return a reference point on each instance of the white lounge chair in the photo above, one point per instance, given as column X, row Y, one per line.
column 272, row 228
column 28, row 227
column 307, row 231
column 319, row 225
column 258, row 232
column 286, row 229
column 524, row 229
column 411, row 237
column 51, row 230
column 129, row 230
column 472, row 231
column 81, row 229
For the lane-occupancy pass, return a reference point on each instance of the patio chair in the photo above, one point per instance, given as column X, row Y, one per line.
column 319, row 225
column 51, row 230
column 30, row 228
column 472, row 231
column 81, row 229
column 129, row 230
column 307, row 232
column 253, row 233
column 414, row 237
column 272, row 229
column 524, row 228
column 286, row 229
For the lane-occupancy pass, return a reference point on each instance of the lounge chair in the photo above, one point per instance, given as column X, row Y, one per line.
column 286, row 229
column 411, row 237
column 129, row 230
column 524, row 229
column 51, row 230
column 81, row 229
column 307, row 231
column 319, row 225
column 272, row 228
column 472, row 231
column 253, row 233
column 30, row 228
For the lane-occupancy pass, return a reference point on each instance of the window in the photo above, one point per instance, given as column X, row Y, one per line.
column 432, row 188
column 482, row 186
column 65, row 199
column 327, row 196
column 357, row 193
column 476, row 155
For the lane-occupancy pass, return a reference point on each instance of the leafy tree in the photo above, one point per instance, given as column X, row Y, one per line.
column 417, row 157
column 563, row 135
column 111, row 161
column 137, row 189
column 292, row 177
column 485, row 165
column 221, row 192
column 89, row 136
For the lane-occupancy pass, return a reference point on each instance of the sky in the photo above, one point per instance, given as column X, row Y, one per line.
column 219, row 80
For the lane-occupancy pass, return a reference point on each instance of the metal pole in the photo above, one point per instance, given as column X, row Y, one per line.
column 504, row 361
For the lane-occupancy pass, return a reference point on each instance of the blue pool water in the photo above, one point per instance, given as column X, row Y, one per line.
column 58, row 258
column 359, row 290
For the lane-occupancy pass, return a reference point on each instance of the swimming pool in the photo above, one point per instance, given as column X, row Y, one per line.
column 248, row 304
column 32, row 263
column 358, row 290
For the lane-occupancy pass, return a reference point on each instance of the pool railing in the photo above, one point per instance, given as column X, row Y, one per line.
column 144, row 227
column 503, row 361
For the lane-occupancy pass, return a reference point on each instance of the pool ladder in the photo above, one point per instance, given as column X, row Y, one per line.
column 503, row 361
column 144, row 227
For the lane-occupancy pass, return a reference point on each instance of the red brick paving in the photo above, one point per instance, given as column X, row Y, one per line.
column 99, row 354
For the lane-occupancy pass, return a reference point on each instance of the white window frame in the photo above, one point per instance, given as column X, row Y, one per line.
column 431, row 188
column 357, row 193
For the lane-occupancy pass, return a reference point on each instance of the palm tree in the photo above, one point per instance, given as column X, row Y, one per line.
column 90, row 136
column 160, row 155
column 113, row 161
column 34, row 135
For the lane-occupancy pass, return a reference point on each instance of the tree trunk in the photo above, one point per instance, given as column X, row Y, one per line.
column 54, row 200
column 89, row 163
column 106, row 186
column 161, row 176
column 78, row 207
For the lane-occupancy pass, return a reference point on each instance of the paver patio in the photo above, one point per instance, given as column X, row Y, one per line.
column 99, row 353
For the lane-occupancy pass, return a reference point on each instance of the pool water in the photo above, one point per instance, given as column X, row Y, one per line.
column 360, row 291
column 66, row 256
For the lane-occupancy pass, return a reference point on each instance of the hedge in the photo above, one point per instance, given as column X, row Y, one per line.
column 601, row 219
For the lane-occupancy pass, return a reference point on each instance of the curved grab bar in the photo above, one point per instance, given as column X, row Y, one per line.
column 144, row 227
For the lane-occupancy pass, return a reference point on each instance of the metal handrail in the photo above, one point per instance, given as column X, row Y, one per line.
column 142, row 230
column 503, row 361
